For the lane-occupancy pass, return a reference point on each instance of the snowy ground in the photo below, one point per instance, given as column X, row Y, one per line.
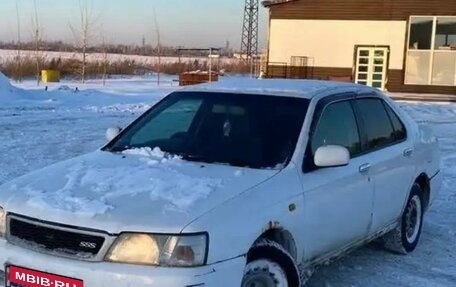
column 45, row 127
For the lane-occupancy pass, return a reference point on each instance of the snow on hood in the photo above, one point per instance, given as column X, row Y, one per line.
column 137, row 190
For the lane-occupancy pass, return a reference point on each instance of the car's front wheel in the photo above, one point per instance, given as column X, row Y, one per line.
column 270, row 265
column 264, row 273
column 406, row 236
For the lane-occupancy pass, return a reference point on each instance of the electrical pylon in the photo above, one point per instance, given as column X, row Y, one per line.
column 249, row 44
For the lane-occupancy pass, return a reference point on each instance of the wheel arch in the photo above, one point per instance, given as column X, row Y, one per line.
column 424, row 182
column 281, row 236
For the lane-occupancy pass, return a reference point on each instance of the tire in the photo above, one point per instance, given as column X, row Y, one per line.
column 270, row 265
column 405, row 237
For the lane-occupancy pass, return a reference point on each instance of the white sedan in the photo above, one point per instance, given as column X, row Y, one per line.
column 251, row 183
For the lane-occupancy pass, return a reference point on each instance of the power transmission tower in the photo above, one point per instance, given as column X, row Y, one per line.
column 249, row 44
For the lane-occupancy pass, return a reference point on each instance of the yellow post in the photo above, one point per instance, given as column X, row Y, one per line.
column 50, row 76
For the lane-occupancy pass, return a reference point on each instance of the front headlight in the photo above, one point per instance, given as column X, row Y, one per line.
column 2, row 222
column 160, row 250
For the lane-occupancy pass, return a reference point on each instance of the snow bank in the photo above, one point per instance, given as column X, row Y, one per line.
column 133, row 95
column 7, row 91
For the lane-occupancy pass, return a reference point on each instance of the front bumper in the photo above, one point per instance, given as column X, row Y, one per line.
column 102, row 274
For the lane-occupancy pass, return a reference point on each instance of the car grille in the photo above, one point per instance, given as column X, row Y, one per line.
column 53, row 239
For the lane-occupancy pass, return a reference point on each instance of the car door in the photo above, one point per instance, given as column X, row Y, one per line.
column 338, row 200
column 390, row 154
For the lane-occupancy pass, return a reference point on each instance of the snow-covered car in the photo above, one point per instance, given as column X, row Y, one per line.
column 252, row 184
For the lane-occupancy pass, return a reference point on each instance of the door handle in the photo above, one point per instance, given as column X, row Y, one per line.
column 364, row 168
column 408, row 152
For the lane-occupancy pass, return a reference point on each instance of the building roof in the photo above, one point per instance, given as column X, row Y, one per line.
column 279, row 87
column 268, row 3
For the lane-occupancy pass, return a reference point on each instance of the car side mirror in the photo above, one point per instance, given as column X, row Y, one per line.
column 331, row 156
column 111, row 133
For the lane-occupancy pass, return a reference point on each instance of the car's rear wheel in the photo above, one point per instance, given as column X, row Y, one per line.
column 406, row 236
column 270, row 265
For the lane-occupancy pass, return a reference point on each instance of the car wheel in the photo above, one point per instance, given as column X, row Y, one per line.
column 270, row 265
column 406, row 236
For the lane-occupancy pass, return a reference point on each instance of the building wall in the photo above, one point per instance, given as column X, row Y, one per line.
column 311, row 27
column 361, row 9
column 396, row 84
column 331, row 43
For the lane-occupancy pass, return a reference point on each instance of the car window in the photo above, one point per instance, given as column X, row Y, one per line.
column 400, row 132
column 256, row 131
column 174, row 120
column 337, row 126
column 377, row 124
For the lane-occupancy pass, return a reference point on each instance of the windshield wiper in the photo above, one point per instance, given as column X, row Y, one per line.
column 200, row 158
column 194, row 157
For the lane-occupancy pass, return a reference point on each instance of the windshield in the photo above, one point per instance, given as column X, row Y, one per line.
column 255, row 131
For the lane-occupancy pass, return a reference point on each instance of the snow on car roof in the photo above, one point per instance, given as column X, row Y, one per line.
column 281, row 87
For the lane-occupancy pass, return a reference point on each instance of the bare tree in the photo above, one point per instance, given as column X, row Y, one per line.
column 157, row 31
column 143, row 45
column 36, row 36
column 84, row 34
column 19, row 46
column 105, row 60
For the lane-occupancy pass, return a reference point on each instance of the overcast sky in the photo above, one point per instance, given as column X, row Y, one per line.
column 191, row 23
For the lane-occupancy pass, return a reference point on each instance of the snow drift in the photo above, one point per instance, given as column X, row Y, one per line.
column 7, row 91
column 73, row 96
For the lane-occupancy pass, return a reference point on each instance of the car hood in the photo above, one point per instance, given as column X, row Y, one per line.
column 139, row 190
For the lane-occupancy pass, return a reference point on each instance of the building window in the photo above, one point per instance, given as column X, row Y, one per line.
column 421, row 33
column 445, row 33
column 431, row 53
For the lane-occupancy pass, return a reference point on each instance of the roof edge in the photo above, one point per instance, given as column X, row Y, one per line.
column 268, row 3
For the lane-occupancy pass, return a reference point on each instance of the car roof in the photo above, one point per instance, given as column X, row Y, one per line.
column 279, row 87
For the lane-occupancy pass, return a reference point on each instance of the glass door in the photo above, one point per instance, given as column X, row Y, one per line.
column 371, row 66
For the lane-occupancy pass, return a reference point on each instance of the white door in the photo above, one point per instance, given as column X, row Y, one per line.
column 338, row 201
column 391, row 158
column 371, row 66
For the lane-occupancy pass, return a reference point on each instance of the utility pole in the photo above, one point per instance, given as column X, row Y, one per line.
column 249, row 44
column 37, row 41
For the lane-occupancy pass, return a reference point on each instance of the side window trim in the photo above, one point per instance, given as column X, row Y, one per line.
column 362, row 125
column 387, row 106
column 389, row 117
column 307, row 163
